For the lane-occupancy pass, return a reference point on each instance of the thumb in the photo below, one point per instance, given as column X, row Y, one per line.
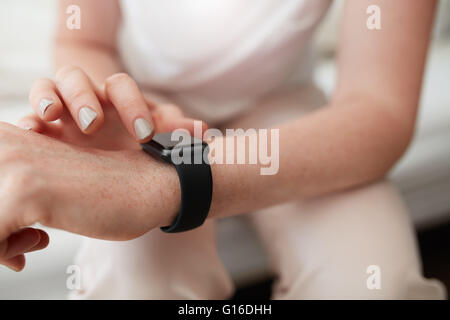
column 34, row 123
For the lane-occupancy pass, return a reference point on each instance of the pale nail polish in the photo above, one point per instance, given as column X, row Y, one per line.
column 44, row 104
column 142, row 128
column 86, row 116
column 25, row 127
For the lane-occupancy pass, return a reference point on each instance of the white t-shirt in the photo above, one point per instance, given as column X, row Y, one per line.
column 218, row 56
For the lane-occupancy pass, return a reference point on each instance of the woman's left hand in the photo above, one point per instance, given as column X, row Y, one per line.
column 115, row 195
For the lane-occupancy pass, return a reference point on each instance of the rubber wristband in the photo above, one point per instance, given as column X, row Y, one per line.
column 196, row 193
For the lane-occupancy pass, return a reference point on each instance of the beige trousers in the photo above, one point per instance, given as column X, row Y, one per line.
column 357, row 244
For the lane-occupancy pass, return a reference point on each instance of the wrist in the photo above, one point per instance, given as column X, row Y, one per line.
column 236, row 186
column 224, row 178
column 194, row 176
column 161, row 195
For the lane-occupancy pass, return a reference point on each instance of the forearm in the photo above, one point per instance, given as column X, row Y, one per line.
column 337, row 147
column 97, row 61
column 92, row 47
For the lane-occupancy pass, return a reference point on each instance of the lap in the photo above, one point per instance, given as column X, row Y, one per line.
column 318, row 249
column 323, row 248
column 156, row 265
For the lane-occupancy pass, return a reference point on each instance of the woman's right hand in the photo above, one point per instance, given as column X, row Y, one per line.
column 113, row 117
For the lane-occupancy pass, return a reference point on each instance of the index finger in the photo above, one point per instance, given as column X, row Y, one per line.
column 124, row 94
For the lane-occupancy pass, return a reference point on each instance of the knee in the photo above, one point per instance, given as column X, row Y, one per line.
column 409, row 286
column 332, row 284
column 154, row 266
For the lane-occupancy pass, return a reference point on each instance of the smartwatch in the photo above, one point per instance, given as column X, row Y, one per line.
column 189, row 156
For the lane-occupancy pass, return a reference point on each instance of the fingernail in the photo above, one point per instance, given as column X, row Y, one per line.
column 142, row 128
column 14, row 268
column 86, row 116
column 44, row 104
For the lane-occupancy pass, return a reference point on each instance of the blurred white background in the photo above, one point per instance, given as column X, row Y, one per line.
column 423, row 175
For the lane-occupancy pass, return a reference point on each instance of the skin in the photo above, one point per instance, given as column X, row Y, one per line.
column 72, row 182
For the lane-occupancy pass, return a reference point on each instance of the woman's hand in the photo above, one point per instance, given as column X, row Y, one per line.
column 115, row 195
column 99, row 117
column 111, row 195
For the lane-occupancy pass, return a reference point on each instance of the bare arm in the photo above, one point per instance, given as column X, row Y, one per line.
column 353, row 140
column 93, row 46
column 364, row 129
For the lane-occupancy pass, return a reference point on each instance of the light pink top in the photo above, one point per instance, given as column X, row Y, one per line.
column 218, row 56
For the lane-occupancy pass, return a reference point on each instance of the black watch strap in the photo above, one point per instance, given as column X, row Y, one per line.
column 196, row 192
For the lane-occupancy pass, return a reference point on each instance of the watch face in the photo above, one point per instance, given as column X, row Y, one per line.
column 163, row 144
column 168, row 142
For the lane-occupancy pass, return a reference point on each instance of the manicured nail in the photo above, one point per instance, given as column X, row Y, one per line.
column 24, row 126
column 142, row 128
column 86, row 116
column 44, row 104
